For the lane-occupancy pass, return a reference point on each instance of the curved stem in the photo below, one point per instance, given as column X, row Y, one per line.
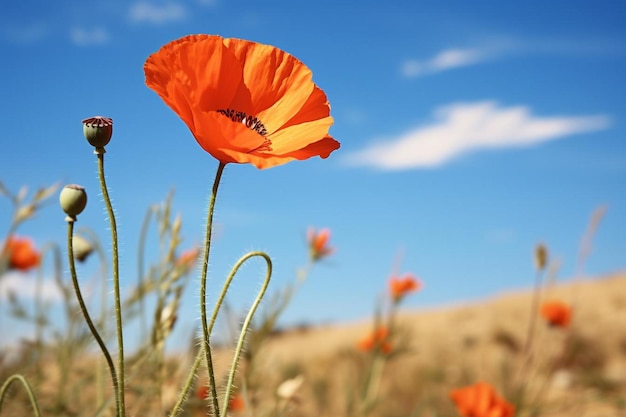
column 206, row 334
column 103, row 309
column 83, row 308
column 248, row 320
column 187, row 386
column 216, row 309
column 27, row 387
column 116, row 284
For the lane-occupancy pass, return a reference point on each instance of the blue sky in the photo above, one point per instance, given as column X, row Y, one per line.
column 469, row 133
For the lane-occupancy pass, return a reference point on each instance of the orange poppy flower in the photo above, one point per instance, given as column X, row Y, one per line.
column 556, row 313
column 22, row 253
column 244, row 102
column 236, row 403
column 202, row 393
column 377, row 340
column 318, row 243
column 188, row 258
column 399, row 287
column 481, row 400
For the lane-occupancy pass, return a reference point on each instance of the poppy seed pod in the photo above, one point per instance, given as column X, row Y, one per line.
column 73, row 199
column 98, row 130
column 82, row 248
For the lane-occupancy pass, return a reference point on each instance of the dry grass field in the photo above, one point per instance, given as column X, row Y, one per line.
column 574, row 371
column 578, row 371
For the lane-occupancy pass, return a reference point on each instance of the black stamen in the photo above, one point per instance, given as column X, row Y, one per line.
column 251, row 122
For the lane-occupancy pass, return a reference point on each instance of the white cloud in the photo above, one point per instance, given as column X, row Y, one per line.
column 445, row 60
column 85, row 37
column 145, row 11
column 502, row 46
column 24, row 287
column 461, row 128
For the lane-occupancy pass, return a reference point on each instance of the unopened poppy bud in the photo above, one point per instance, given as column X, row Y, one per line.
column 82, row 248
column 541, row 257
column 73, row 199
column 98, row 131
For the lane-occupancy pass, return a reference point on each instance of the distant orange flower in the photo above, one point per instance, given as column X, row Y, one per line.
column 236, row 403
column 22, row 253
column 377, row 340
column 318, row 244
column 556, row 313
column 244, row 102
column 401, row 286
column 202, row 393
column 481, row 400
column 188, row 258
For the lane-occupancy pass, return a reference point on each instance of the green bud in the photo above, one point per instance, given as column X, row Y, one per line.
column 73, row 199
column 82, row 247
column 98, row 130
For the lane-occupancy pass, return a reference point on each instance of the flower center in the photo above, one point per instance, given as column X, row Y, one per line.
column 251, row 122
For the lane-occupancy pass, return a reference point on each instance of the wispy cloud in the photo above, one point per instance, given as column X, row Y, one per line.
column 86, row 37
column 25, row 288
column 446, row 60
column 501, row 47
column 461, row 128
column 145, row 11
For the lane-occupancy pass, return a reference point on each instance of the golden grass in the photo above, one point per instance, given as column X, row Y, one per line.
column 575, row 372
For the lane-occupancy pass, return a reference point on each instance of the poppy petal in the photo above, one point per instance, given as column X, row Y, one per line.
column 225, row 136
column 279, row 83
column 322, row 148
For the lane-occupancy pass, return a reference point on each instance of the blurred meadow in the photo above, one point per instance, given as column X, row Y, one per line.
column 420, row 208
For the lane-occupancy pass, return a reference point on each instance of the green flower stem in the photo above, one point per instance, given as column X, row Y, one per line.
column 27, row 387
column 188, row 382
column 103, row 309
column 374, row 379
column 248, row 320
column 377, row 367
column 206, row 334
column 83, row 308
column 116, row 284
column 178, row 407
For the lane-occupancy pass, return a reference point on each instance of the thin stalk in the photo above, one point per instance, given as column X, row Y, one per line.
column 187, row 386
column 206, row 334
column 83, row 308
column 248, row 320
column 27, row 387
column 530, row 334
column 39, row 317
column 116, row 284
column 103, row 311
column 140, row 269
column 375, row 373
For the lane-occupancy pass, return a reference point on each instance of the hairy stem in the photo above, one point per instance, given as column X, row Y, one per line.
column 83, row 308
column 27, row 387
column 248, row 320
column 116, row 284
column 206, row 334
